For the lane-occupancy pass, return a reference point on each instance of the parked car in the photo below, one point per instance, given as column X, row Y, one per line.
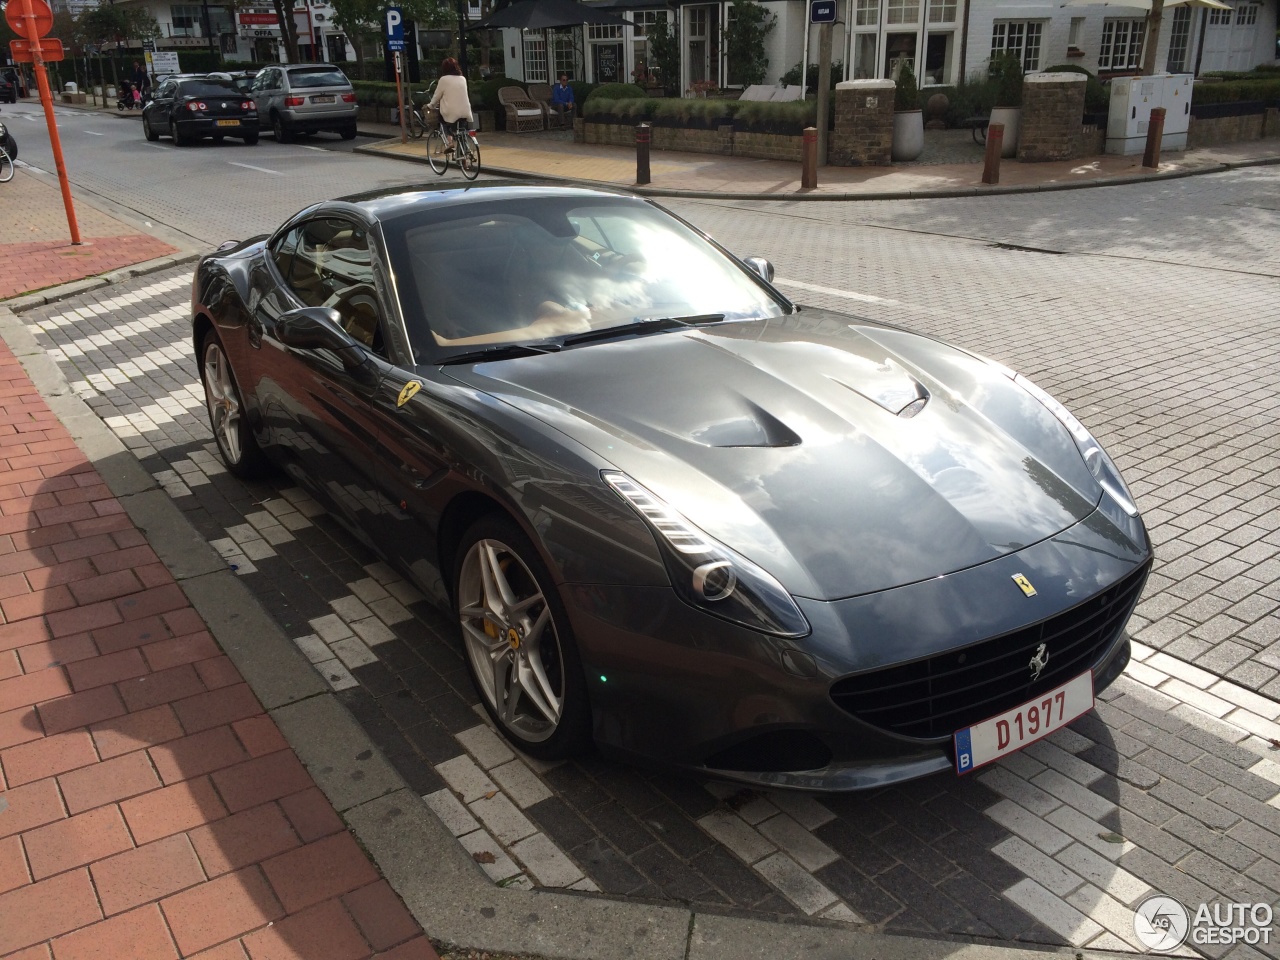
column 190, row 108
column 243, row 79
column 305, row 98
column 669, row 510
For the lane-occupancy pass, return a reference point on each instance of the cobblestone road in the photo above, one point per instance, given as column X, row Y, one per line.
column 1172, row 787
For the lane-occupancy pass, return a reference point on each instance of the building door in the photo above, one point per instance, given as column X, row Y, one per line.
column 1229, row 38
column 699, row 45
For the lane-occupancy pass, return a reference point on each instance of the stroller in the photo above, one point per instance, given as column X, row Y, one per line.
column 130, row 96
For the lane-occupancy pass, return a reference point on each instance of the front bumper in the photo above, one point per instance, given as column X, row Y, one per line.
column 673, row 686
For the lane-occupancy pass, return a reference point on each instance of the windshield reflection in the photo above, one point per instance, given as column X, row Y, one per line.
column 532, row 269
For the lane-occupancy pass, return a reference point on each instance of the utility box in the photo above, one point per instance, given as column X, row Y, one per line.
column 1177, row 110
column 1129, row 116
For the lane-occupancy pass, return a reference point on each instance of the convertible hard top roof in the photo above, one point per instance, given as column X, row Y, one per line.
column 395, row 202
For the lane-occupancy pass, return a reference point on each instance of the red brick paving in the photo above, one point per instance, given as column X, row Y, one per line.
column 154, row 810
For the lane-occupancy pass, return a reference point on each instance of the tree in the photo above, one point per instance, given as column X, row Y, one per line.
column 664, row 43
column 361, row 20
column 744, row 37
column 1153, row 37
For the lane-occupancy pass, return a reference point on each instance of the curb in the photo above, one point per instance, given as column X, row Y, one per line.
column 939, row 194
column 54, row 294
column 446, row 891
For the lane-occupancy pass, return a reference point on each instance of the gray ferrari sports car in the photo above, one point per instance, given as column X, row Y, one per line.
column 671, row 512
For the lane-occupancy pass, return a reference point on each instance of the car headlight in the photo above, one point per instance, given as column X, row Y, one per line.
column 708, row 575
column 1100, row 465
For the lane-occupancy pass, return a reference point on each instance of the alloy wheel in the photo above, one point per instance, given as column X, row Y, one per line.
column 223, row 401
column 512, row 641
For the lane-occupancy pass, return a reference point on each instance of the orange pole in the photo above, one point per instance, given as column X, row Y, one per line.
column 46, row 98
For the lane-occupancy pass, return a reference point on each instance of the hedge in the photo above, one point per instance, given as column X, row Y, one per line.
column 1232, row 91
column 698, row 113
column 617, row 91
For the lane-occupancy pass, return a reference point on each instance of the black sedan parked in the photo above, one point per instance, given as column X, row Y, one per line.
column 670, row 511
column 190, row 108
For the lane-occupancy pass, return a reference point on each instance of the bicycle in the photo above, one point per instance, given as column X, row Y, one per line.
column 465, row 152
column 6, row 159
column 415, row 122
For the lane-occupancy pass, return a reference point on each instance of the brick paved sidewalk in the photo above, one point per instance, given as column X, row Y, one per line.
column 148, row 806
column 38, row 252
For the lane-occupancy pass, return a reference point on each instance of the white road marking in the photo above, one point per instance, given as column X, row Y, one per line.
column 249, row 166
column 832, row 291
column 93, row 133
column 321, row 149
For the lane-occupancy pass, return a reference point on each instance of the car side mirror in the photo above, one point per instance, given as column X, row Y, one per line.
column 761, row 266
column 319, row 328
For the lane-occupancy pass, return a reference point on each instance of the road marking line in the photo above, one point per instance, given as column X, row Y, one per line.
column 321, row 149
column 249, row 166
column 94, row 134
column 832, row 291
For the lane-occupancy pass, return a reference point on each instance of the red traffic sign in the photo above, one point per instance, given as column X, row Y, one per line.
column 50, row 50
column 40, row 13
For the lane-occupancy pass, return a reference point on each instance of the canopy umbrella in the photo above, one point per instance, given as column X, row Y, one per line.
column 544, row 14
column 1146, row 4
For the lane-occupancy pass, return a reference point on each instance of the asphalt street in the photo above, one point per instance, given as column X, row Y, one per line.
column 1152, row 310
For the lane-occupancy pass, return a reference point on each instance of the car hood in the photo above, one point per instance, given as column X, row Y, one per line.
column 842, row 456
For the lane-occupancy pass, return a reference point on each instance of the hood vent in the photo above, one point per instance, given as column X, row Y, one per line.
column 891, row 388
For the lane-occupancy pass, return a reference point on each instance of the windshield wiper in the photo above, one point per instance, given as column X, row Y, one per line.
column 643, row 326
column 505, row 351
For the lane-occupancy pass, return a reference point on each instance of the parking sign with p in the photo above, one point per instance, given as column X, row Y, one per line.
column 395, row 28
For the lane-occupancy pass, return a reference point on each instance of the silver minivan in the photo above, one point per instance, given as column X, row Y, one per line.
column 298, row 98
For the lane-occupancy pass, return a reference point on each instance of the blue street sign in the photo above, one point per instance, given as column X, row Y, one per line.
column 394, row 23
column 822, row 11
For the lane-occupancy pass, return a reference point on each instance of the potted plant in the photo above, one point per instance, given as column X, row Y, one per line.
column 908, row 119
column 1006, row 74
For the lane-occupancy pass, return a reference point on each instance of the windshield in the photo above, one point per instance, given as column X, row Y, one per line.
column 317, row 77
column 527, row 269
column 206, row 88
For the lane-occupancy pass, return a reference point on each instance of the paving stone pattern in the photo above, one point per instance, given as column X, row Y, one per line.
column 1175, row 789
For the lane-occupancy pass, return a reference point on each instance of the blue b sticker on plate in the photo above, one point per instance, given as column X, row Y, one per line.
column 964, row 752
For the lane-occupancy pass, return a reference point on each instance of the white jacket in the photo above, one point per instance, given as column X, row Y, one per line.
column 452, row 99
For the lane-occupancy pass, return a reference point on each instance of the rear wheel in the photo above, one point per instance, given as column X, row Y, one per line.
column 416, row 127
column 520, row 648
column 250, row 139
column 6, row 165
column 178, row 138
column 236, row 443
column 348, row 132
column 436, row 146
column 147, row 130
column 282, row 132
column 468, row 156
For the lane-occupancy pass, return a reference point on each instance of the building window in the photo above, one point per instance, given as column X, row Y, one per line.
column 644, row 20
column 535, row 60
column 186, row 19
column 1019, row 37
column 598, row 32
column 1075, row 37
column 868, row 14
column 904, row 11
column 564, row 59
column 1247, row 15
column 1121, row 44
column 943, row 11
column 1179, row 40
column 1219, row 18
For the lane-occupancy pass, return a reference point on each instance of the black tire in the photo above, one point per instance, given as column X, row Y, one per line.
column 147, row 131
column 250, row 139
column 416, row 127
column 558, row 669
column 469, row 162
column 436, row 156
column 10, row 145
column 282, row 132
column 178, row 138
column 236, row 444
column 348, row 132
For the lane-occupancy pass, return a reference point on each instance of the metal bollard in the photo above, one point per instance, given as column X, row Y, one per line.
column 1155, row 133
column 642, row 154
column 991, row 162
column 809, row 159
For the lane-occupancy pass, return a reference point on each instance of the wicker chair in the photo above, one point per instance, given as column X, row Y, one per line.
column 523, row 114
column 540, row 93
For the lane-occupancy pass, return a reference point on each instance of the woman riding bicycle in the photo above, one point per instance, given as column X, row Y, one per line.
column 452, row 99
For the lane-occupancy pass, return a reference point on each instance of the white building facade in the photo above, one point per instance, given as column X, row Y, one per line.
column 944, row 40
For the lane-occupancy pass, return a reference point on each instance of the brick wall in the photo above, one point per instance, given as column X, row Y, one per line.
column 1052, row 105
column 723, row 140
column 1219, row 130
column 864, row 124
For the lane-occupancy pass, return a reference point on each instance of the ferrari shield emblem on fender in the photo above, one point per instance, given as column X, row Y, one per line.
column 1020, row 579
column 413, row 386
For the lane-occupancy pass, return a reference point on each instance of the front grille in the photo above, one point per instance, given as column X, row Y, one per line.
column 936, row 696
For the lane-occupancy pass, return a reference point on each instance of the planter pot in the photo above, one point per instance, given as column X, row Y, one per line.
column 908, row 135
column 1010, row 117
column 486, row 121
